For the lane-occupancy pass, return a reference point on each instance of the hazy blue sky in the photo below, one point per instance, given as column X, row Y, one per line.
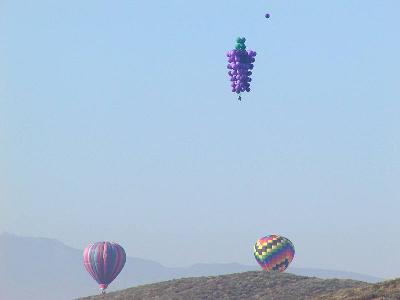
column 117, row 123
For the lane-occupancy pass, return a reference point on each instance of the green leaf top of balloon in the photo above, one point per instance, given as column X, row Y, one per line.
column 240, row 43
column 240, row 47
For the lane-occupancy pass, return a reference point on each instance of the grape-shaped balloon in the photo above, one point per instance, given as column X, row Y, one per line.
column 240, row 62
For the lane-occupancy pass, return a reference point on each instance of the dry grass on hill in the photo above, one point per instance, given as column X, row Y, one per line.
column 248, row 285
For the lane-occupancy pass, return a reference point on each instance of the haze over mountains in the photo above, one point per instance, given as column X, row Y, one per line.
column 44, row 269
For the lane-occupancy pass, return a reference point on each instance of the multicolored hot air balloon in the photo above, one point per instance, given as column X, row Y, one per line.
column 104, row 261
column 274, row 253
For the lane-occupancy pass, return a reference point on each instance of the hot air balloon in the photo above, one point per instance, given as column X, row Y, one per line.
column 104, row 261
column 274, row 253
column 240, row 62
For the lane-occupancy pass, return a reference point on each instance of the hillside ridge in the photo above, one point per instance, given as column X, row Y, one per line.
column 247, row 285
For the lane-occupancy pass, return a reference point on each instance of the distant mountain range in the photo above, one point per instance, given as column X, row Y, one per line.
column 46, row 269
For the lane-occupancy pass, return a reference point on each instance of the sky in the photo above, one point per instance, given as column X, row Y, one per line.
column 117, row 123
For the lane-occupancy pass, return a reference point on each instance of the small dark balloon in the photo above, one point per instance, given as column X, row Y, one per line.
column 267, row 16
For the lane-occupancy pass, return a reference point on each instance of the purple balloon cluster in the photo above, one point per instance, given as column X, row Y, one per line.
column 240, row 64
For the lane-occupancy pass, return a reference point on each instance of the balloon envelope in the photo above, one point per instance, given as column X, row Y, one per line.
column 274, row 253
column 104, row 261
column 240, row 63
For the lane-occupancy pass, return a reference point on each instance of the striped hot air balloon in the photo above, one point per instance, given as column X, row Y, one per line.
column 274, row 253
column 104, row 261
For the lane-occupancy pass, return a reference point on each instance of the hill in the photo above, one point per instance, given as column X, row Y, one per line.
column 248, row 285
column 388, row 290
